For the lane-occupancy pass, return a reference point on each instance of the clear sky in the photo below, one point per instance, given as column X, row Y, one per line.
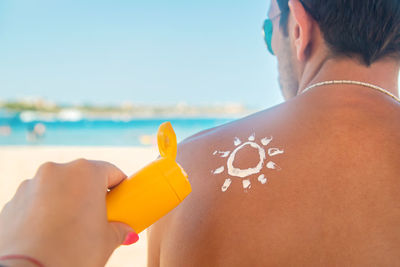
column 148, row 51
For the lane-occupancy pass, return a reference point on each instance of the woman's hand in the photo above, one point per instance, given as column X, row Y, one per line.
column 59, row 217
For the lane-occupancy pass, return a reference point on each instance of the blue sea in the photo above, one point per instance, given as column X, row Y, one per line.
column 95, row 132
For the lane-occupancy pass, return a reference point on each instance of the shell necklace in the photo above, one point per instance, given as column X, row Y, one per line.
column 353, row 82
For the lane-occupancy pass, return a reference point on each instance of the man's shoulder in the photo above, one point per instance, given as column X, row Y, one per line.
column 244, row 167
column 248, row 176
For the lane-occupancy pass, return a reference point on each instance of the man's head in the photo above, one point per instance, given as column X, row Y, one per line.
column 303, row 30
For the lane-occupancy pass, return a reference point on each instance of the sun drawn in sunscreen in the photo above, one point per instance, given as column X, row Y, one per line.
column 244, row 174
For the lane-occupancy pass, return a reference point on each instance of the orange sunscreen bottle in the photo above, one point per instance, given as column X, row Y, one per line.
column 153, row 191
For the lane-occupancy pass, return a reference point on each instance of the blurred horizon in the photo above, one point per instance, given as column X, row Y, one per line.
column 144, row 52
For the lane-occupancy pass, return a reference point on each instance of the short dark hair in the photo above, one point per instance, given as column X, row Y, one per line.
column 368, row 29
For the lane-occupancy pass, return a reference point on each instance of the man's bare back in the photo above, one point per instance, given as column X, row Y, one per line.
column 330, row 198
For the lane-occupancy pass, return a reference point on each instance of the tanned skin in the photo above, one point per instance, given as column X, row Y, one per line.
column 334, row 201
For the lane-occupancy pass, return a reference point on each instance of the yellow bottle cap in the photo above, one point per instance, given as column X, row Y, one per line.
column 175, row 175
column 166, row 139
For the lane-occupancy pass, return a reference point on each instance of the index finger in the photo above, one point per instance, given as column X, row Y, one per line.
column 114, row 176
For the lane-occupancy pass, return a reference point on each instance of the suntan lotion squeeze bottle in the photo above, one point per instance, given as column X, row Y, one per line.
column 153, row 191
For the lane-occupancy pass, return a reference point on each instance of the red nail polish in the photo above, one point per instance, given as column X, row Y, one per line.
column 130, row 239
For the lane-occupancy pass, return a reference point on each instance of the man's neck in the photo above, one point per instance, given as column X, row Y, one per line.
column 384, row 73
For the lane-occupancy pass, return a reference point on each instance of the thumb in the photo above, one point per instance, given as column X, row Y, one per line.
column 122, row 234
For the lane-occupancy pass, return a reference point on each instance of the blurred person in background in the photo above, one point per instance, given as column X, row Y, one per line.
column 5, row 130
column 313, row 181
column 35, row 132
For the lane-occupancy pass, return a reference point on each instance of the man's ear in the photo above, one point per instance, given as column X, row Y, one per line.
column 302, row 32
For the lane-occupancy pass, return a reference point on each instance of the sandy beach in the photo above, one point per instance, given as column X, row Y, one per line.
column 20, row 163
